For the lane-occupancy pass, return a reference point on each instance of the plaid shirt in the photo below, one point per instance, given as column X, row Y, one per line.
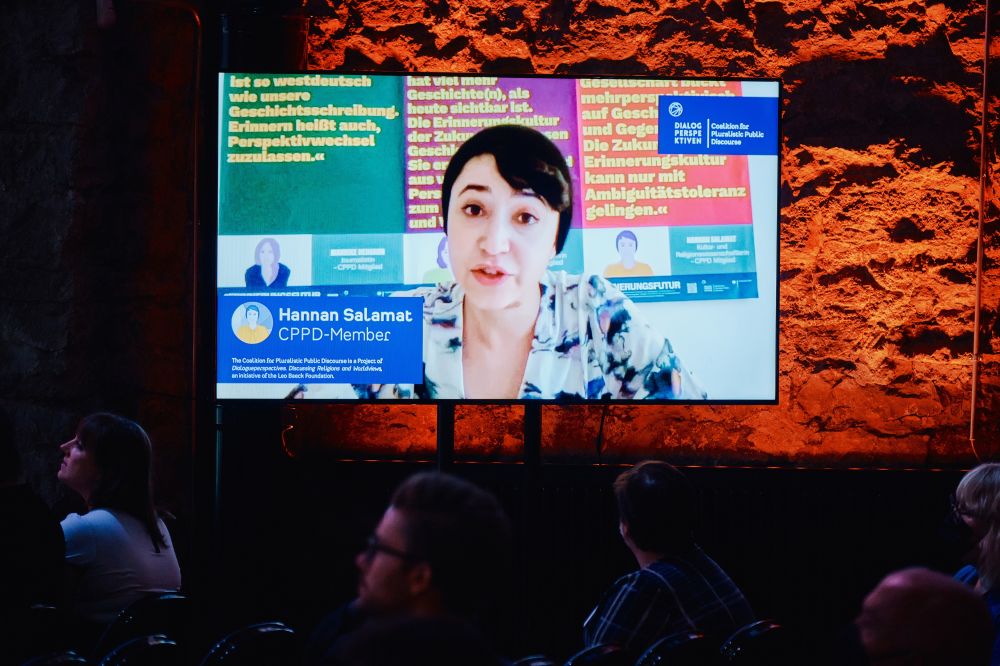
column 687, row 592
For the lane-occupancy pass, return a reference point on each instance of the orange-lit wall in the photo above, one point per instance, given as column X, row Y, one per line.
column 880, row 199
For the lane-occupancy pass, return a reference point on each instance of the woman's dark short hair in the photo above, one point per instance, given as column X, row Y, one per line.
column 659, row 505
column 526, row 159
column 123, row 455
column 461, row 532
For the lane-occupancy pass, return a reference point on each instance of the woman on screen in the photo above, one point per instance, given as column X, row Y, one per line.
column 267, row 272
column 507, row 327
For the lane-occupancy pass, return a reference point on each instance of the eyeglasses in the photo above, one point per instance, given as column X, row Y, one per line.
column 374, row 546
column 960, row 510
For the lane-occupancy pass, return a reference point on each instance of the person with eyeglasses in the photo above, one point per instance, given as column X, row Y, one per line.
column 441, row 550
column 976, row 505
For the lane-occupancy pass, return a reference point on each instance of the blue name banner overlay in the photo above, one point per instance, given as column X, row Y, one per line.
column 281, row 339
column 718, row 125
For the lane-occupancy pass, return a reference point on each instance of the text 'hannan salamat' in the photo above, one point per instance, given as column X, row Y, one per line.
column 347, row 314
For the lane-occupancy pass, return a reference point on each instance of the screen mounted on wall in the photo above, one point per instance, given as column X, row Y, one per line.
column 465, row 237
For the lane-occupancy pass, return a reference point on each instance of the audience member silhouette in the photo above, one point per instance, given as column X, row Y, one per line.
column 119, row 550
column 441, row 549
column 31, row 546
column 918, row 617
column 677, row 587
column 977, row 506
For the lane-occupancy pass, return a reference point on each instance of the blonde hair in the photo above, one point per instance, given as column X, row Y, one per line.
column 979, row 494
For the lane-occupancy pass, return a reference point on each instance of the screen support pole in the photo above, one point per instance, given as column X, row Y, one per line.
column 445, row 435
column 531, row 480
column 532, row 435
column 217, row 490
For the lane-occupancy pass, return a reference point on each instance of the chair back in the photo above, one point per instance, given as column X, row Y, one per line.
column 167, row 614
column 686, row 648
column 66, row 658
column 144, row 651
column 760, row 643
column 37, row 630
column 600, row 655
column 263, row 644
column 534, row 660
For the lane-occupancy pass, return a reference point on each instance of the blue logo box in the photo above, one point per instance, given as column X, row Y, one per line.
column 718, row 125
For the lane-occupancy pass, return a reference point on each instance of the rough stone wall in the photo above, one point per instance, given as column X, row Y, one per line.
column 95, row 204
column 880, row 199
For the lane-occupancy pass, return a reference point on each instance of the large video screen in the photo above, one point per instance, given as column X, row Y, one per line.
column 467, row 237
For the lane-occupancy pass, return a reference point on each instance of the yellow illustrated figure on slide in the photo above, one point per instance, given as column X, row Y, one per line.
column 252, row 331
column 626, row 243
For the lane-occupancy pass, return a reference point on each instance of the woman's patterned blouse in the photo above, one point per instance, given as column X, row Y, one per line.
column 591, row 342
